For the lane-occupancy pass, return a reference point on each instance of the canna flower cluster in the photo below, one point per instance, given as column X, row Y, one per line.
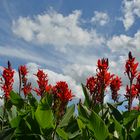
column 115, row 87
column 133, row 89
column 62, row 91
column 91, row 84
column 23, row 79
column 42, row 80
column 62, row 95
column 131, row 67
column 7, row 84
column 98, row 84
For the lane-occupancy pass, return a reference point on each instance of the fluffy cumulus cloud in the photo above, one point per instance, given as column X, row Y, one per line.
column 100, row 18
column 80, row 71
column 131, row 10
column 56, row 29
column 125, row 42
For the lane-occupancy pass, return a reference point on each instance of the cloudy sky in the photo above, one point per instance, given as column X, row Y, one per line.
column 67, row 37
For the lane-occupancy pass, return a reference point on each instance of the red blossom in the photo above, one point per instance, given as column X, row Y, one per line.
column 91, row 84
column 62, row 91
column 23, row 70
column 103, row 76
column 102, row 64
column 23, row 78
column 27, row 89
column 131, row 67
column 42, row 82
column 48, row 88
column 8, row 75
column 131, row 92
column 115, row 87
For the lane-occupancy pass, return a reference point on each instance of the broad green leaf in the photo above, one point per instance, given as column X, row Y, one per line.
column 98, row 127
column 120, row 130
column 15, row 122
column 80, row 124
column 87, row 101
column 62, row 133
column 32, row 100
column 67, row 116
column 16, row 99
column 136, row 134
column 116, row 113
column 130, row 117
column 93, row 122
column 12, row 113
column 83, row 112
column 138, row 121
column 44, row 117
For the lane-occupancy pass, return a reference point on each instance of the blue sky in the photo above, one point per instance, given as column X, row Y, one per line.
column 67, row 37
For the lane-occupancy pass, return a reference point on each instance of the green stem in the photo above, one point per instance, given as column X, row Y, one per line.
column 54, row 132
column 4, row 112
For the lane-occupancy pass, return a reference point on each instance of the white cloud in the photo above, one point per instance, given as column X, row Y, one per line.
column 80, row 72
column 125, row 42
column 100, row 18
column 131, row 10
column 56, row 29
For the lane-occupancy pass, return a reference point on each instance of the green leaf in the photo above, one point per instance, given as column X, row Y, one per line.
column 84, row 113
column 138, row 121
column 67, row 116
column 15, row 122
column 87, row 101
column 80, row 124
column 136, row 134
column 130, row 117
column 12, row 113
column 120, row 130
column 16, row 100
column 116, row 113
column 62, row 133
column 44, row 117
column 94, row 123
column 98, row 127
column 32, row 100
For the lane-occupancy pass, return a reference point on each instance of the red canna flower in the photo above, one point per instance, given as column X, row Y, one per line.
column 23, row 70
column 62, row 91
column 103, row 78
column 91, row 84
column 115, row 87
column 48, row 88
column 131, row 92
column 42, row 83
column 131, row 67
column 27, row 89
column 8, row 75
column 131, row 70
column 102, row 64
column 23, row 79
